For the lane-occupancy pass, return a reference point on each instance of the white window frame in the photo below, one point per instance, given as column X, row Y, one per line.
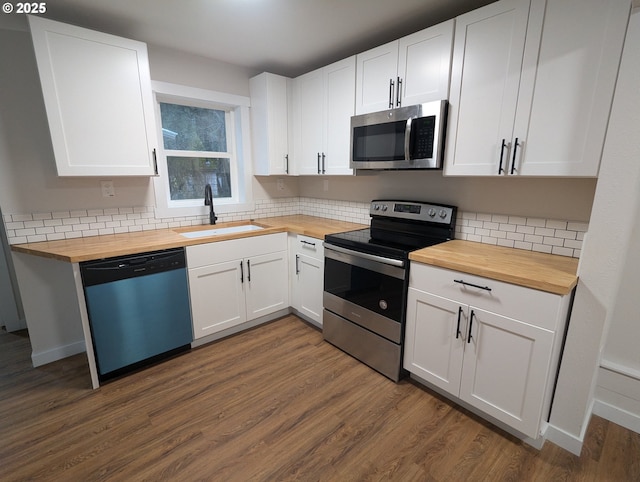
column 237, row 108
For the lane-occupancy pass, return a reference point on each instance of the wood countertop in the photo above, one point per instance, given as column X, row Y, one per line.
column 545, row 272
column 97, row 247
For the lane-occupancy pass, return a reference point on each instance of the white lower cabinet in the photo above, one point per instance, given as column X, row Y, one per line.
column 307, row 276
column 235, row 281
column 490, row 344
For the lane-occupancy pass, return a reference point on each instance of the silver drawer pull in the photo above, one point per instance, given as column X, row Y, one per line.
column 471, row 284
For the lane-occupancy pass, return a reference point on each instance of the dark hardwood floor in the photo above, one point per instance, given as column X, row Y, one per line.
column 274, row 403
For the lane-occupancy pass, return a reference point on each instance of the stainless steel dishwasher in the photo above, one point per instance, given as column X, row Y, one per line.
column 138, row 309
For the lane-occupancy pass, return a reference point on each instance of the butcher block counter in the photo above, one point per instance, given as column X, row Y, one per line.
column 545, row 272
column 106, row 246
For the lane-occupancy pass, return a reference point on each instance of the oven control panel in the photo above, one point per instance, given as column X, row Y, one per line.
column 414, row 210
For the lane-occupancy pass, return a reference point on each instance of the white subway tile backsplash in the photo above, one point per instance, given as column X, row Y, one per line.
column 565, row 234
column 36, row 238
column 551, row 223
column 537, row 234
column 537, row 222
column 581, row 227
column 562, row 251
column 523, row 245
column 517, row 220
column 15, row 225
column 541, row 248
column 544, row 232
column 499, row 218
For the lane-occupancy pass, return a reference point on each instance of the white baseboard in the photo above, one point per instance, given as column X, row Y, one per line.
column 57, row 353
column 564, row 439
column 617, row 415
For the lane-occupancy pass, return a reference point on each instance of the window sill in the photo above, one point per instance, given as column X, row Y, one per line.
column 166, row 212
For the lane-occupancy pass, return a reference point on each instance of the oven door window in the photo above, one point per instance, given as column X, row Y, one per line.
column 366, row 287
column 379, row 142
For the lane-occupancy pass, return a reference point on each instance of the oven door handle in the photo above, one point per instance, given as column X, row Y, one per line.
column 370, row 257
column 381, row 264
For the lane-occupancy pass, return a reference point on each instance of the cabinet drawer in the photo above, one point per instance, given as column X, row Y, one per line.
column 528, row 305
column 222, row 251
column 310, row 246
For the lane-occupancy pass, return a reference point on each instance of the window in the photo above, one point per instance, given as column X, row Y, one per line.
column 201, row 143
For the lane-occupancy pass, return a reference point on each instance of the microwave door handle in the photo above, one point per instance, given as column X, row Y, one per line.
column 407, row 141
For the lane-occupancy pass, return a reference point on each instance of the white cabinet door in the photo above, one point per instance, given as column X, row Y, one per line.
column 267, row 289
column 339, row 104
column 435, row 339
column 376, row 77
column 562, row 123
column 424, row 64
column 538, row 107
column 505, row 370
column 98, row 98
column 217, row 297
column 310, row 104
column 269, row 124
column 325, row 103
column 309, row 286
column 412, row 70
column 487, row 61
column 498, row 364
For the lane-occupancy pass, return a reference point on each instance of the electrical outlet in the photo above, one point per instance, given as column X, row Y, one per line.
column 107, row 189
column 280, row 184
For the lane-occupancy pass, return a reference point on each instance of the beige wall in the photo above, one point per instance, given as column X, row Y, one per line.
column 567, row 199
column 608, row 262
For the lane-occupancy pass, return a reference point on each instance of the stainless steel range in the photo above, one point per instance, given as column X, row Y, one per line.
column 366, row 277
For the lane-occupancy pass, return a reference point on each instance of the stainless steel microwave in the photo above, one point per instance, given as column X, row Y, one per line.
column 409, row 137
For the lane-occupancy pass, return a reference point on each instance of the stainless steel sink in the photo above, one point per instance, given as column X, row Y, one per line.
column 218, row 231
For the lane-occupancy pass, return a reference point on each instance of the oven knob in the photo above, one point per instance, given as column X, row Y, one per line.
column 376, row 207
column 442, row 213
column 432, row 212
column 384, row 207
column 383, row 304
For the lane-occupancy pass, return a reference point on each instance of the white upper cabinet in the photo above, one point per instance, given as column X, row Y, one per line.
column 531, row 87
column 98, row 98
column 269, row 124
column 412, row 70
column 487, row 62
column 563, row 116
column 324, row 104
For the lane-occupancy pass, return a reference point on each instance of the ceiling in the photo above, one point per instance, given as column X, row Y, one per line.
column 287, row 37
